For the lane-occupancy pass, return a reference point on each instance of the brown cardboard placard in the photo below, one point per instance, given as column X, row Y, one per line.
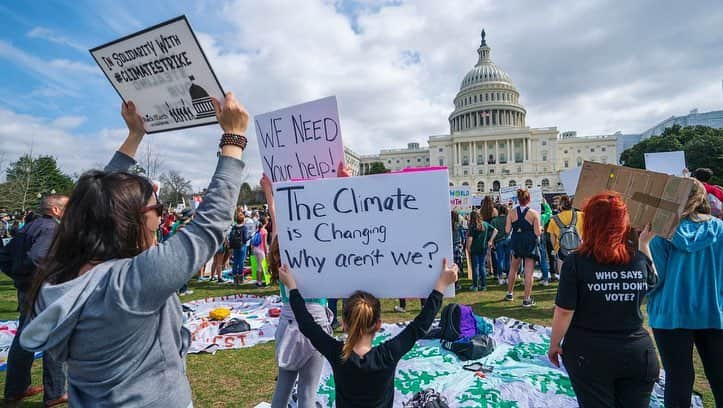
column 652, row 198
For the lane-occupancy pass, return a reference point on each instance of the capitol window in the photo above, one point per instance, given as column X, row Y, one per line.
column 441, row 161
column 419, row 160
column 579, row 161
column 465, row 184
column 389, row 162
column 544, row 142
column 513, row 183
column 480, row 172
column 475, row 98
column 465, row 172
column 545, row 183
column 567, row 164
column 408, row 161
column 544, row 156
column 592, row 150
column 603, row 149
column 564, row 151
column 528, row 183
column 397, row 161
column 487, row 97
column 440, row 149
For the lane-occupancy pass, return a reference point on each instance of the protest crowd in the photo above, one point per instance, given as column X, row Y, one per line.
column 100, row 274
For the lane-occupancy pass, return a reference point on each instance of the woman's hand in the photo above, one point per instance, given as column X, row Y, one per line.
column 266, row 186
column 343, row 171
column 232, row 117
column 447, row 277
column 554, row 353
column 646, row 235
column 287, row 277
column 134, row 121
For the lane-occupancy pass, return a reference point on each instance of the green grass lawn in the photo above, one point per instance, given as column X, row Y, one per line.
column 243, row 378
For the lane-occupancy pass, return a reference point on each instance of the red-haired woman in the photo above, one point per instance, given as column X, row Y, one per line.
column 608, row 354
column 524, row 224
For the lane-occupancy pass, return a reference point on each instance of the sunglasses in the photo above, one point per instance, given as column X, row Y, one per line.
column 158, row 207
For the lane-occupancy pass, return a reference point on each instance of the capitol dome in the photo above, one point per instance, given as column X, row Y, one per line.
column 486, row 98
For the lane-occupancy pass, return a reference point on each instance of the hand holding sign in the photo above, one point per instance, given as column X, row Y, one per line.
column 133, row 120
column 447, row 277
column 287, row 277
column 232, row 116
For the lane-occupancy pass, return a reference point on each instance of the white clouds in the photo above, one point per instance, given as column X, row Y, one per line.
column 68, row 122
column 395, row 67
column 49, row 35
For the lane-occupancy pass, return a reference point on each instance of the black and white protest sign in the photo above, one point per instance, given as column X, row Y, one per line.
column 386, row 234
column 164, row 71
column 301, row 141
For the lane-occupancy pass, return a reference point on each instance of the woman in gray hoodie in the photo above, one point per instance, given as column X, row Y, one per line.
column 104, row 299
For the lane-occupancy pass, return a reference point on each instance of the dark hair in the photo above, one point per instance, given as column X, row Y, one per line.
column 502, row 209
column 523, row 196
column 476, row 221
column 240, row 216
column 274, row 259
column 487, row 209
column 703, row 174
column 103, row 220
column 565, row 202
column 361, row 313
column 455, row 219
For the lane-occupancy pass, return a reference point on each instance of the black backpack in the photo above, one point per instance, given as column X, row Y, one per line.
column 449, row 322
column 14, row 260
column 428, row 398
column 471, row 348
column 237, row 237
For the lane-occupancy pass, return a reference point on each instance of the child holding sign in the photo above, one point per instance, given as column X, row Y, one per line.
column 364, row 375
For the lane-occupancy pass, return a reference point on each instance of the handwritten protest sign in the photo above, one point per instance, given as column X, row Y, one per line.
column 301, row 141
column 386, row 234
column 509, row 194
column 164, row 71
column 460, row 199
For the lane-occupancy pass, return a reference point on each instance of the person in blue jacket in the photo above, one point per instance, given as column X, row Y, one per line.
column 686, row 307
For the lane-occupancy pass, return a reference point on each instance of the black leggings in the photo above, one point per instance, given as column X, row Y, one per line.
column 610, row 370
column 676, row 353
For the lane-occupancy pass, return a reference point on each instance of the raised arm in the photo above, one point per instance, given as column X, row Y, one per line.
column 123, row 159
column 158, row 272
column 404, row 341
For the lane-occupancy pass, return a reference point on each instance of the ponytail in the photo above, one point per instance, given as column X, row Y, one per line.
column 361, row 313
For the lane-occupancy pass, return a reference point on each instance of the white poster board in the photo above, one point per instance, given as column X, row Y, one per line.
column 569, row 179
column 301, row 141
column 476, row 201
column 164, row 71
column 460, row 199
column 386, row 233
column 509, row 194
column 671, row 163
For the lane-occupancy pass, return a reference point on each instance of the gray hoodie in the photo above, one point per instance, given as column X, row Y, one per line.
column 119, row 326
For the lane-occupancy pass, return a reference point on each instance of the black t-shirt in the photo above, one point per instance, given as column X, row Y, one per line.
column 605, row 298
column 365, row 381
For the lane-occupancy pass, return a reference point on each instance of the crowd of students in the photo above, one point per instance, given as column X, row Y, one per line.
column 103, row 300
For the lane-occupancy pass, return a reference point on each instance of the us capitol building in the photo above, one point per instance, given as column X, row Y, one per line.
column 489, row 144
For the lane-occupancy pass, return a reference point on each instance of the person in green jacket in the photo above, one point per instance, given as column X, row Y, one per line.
column 545, row 216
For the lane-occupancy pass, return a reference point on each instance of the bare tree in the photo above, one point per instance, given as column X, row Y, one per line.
column 151, row 162
column 174, row 188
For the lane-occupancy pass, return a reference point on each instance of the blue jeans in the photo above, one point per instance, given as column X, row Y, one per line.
column 478, row 269
column 544, row 262
column 503, row 258
column 239, row 256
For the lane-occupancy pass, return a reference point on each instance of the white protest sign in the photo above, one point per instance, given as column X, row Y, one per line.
column 671, row 163
column 476, row 201
column 509, row 194
column 164, row 71
column 460, row 199
column 569, row 179
column 301, row 141
column 386, row 234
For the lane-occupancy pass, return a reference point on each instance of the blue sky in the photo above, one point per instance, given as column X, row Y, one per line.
column 595, row 67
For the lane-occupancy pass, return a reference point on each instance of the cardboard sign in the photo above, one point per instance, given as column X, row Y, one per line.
column 386, row 234
column 301, row 142
column 652, row 198
column 672, row 163
column 460, row 199
column 509, row 194
column 164, row 71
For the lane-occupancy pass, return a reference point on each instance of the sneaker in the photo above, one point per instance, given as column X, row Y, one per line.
column 528, row 302
column 501, row 281
column 473, row 288
column 483, row 289
column 399, row 309
column 188, row 292
column 556, row 276
column 508, row 297
column 544, row 282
